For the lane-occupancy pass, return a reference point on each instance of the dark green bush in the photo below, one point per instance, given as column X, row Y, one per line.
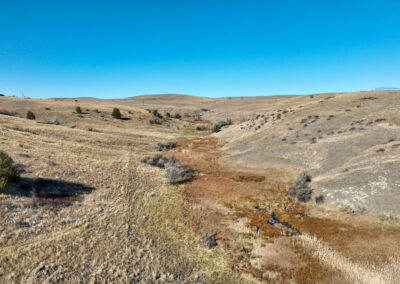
column 216, row 128
column 78, row 110
column 157, row 114
column 116, row 113
column 7, row 173
column 30, row 115
column 218, row 125
column 178, row 116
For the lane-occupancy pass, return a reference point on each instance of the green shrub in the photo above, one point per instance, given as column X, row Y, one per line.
column 178, row 116
column 116, row 113
column 218, row 125
column 216, row 128
column 78, row 110
column 157, row 114
column 167, row 114
column 7, row 173
column 30, row 115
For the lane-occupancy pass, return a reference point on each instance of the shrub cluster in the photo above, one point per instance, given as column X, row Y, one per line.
column 155, row 121
column 216, row 127
column 177, row 116
column 157, row 114
column 30, row 115
column 7, row 172
column 10, row 113
column 78, row 110
column 203, row 127
column 166, row 146
column 174, row 172
column 301, row 188
column 352, row 208
column 157, row 160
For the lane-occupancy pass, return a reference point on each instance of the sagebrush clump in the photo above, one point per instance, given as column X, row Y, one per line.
column 155, row 160
column 116, row 113
column 166, row 146
column 301, row 188
column 7, row 172
column 174, row 172
column 78, row 110
column 30, row 115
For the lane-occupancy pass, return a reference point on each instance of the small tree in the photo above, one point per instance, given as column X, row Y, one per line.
column 7, row 173
column 78, row 110
column 116, row 113
column 30, row 115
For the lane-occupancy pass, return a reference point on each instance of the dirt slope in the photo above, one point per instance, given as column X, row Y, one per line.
column 348, row 142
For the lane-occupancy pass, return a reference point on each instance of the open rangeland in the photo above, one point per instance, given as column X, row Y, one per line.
column 85, row 209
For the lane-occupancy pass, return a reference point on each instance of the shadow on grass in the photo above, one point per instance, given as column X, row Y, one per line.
column 48, row 191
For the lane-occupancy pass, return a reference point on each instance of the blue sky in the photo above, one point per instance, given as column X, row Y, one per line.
column 115, row 49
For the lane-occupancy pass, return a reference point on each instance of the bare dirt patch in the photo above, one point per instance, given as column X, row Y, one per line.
column 254, row 220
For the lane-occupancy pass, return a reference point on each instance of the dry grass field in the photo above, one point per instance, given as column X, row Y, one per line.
column 86, row 210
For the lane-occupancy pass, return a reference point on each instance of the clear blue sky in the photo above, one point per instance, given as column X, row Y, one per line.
column 115, row 49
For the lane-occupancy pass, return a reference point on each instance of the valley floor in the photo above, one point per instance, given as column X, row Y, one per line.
column 85, row 210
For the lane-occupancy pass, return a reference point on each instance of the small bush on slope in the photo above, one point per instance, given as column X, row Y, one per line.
column 177, row 173
column 78, row 110
column 116, row 113
column 301, row 189
column 155, row 160
column 166, row 146
column 174, row 172
column 30, row 115
column 218, row 125
column 7, row 173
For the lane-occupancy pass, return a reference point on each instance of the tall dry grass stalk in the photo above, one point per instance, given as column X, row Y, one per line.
column 356, row 273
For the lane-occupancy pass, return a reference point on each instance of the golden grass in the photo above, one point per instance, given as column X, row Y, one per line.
column 355, row 272
column 128, row 229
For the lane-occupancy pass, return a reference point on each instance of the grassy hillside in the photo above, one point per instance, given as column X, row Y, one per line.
column 84, row 208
